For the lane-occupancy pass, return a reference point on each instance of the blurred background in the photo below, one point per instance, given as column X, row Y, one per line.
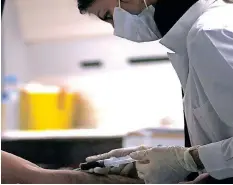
column 71, row 89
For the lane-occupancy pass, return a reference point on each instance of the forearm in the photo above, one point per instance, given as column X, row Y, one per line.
column 15, row 169
column 68, row 177
column 10, row 156
column 195, row 155
column 79, row 177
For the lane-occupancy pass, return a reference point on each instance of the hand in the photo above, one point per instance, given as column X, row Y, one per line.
column 201, row 179
column 124, row 170
column 164, row 164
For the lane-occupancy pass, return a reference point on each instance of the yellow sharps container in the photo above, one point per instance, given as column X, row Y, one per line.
column 46, row 109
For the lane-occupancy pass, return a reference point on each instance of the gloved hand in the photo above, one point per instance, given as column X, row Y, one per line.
column 164, row 164
column 201, row 179
column 124, row 170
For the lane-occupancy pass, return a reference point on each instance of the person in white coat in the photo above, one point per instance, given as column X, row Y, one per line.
column 201, row 40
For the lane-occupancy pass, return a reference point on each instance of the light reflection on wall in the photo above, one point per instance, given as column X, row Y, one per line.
column 137, row 97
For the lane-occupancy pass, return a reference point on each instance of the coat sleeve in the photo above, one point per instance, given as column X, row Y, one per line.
column 211, row 55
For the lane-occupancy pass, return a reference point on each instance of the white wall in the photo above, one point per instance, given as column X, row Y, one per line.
column 14, row 50
column 43, row 20
column 63, row 57
column 122, row 95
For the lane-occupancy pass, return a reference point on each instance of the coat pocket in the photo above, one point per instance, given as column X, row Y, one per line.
column 215, row 129
column 211, row 122
column 206, row 119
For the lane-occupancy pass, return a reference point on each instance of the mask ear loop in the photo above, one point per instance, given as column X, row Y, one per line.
column 119, row 3
column 145, row 3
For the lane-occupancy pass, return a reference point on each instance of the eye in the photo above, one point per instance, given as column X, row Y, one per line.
column 107, row 16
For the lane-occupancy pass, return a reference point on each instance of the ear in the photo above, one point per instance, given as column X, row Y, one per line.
column 133, row 6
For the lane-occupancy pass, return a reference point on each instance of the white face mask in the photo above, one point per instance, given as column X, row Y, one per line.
column 137, row 28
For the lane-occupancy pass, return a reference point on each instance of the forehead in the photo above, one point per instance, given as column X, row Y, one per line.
column 99, row 5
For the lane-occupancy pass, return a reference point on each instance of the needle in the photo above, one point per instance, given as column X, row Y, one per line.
column 77, row 169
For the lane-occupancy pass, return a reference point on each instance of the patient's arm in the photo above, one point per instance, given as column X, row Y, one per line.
column 78, row 177
column 17, row 170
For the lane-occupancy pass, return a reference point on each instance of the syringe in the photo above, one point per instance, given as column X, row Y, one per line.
column 111, row 162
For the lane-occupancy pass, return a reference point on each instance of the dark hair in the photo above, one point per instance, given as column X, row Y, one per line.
column 228, row 1
column 83, row 5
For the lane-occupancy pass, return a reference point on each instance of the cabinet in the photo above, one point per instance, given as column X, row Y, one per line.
column 53, row 149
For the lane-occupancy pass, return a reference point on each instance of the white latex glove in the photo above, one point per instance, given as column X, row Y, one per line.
column 164, row 164
column 124, row 170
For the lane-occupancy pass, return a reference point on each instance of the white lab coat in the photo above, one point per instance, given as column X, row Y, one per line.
column 202, row 42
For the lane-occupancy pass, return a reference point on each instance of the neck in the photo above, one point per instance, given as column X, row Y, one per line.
column 151, row 2
column 168, row 12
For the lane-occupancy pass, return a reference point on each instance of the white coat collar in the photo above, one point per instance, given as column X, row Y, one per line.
column 175, row 39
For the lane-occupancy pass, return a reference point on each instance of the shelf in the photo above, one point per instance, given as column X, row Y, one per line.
column 62, row 134
column 81, row 133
